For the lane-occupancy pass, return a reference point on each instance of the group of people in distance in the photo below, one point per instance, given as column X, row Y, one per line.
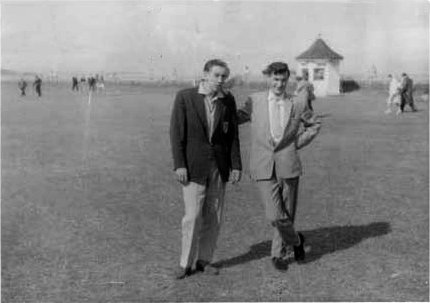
column 37, row 85
column 95, row 83
column 204, row 138
column 400, row 94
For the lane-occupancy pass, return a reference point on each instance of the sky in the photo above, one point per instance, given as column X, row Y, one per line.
column 163, row 36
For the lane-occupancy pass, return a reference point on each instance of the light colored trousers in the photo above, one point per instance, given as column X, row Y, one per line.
column 204, row 206
column 280, row 199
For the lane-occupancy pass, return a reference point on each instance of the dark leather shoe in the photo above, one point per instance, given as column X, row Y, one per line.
column 181, row 272
column 280, row 264
column 299, row 250
column 207, row 268
column 287, row 252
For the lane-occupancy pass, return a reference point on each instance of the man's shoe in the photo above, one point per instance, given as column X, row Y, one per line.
column 299, row 250
column 280, row 263
column 181, row 272
column 207, row 268
column 287, row 252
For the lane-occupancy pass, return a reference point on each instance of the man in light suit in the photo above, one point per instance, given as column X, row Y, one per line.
column 406, row 91
column 280, row 126
column 304, row 84
column 206, row 153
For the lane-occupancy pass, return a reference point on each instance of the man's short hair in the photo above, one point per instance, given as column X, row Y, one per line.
column 276, row 68
column 404, row 74
column 215, row 62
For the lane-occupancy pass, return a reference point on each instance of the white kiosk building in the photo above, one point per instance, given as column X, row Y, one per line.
column 321, row 63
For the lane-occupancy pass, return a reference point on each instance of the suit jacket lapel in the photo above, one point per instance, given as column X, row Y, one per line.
column 289, row 110
column 219, row 112
column 288, row 113
column 199, row 107
column 265, row 112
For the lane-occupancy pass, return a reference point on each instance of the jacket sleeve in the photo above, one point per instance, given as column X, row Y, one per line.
column 309, row 128
column 244, row 113
column 178, row 125
column 236, row 161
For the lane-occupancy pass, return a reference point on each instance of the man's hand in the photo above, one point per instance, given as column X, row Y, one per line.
column 309, row 119
column 306, row 115
column 182, row 175
column 235, row 176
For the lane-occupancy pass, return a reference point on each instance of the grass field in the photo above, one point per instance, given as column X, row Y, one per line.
column 91, row 212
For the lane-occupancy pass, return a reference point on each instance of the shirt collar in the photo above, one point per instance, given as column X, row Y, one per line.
column 203, row 90
column 273, row 97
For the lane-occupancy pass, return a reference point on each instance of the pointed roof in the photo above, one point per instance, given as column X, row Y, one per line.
column 319, row 50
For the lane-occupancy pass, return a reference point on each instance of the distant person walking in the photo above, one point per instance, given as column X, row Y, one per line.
column 37, row 84
column 303, row 84
column 91, row 84
column 22, row 85
column 393, row 94
column 100, row 84
column 406, row 89
column 83, row 80
column 206, row 154
column 75, row 85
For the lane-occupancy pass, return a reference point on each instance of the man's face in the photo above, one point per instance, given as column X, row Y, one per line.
column 215, row 77
column 278, row 83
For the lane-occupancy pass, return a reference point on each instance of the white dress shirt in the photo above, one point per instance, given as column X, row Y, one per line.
column 279, row 108
column 211, row 105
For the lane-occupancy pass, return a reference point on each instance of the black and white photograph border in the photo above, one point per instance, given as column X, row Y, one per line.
column 91, row 96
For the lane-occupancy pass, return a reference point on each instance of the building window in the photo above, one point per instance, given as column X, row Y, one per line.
column 318, row 74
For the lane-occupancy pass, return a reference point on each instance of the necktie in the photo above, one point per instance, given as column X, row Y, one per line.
column 277, row 120
column 212, row 104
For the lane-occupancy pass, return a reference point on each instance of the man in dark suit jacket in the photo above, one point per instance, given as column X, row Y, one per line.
column 206, row 153
column 406, row 90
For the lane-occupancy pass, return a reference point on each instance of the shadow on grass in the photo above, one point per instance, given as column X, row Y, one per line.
column 322, row 241
column 409, row 111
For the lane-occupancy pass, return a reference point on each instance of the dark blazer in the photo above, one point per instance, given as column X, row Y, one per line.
column 406, row 88
column 191, row 147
